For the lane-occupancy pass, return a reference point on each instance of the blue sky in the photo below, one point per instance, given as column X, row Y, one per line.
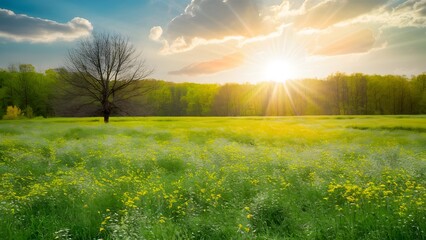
column 227, row 41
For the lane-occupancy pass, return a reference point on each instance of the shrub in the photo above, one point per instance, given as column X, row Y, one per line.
column 12, row 112
column 29, row 113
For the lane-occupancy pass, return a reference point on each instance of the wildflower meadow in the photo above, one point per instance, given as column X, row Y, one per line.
column 347, row 177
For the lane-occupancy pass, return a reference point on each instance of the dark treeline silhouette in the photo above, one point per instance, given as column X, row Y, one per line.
column 338, row 94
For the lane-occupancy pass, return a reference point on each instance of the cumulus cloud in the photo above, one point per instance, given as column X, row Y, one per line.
column 216, row 21
column 330, row 12
column 19, row 27
column 411, row 5
column 420, row 7
column 408, row 13
column 213, row 66
column 155, row 33
column 330, row 22
column 207, row 21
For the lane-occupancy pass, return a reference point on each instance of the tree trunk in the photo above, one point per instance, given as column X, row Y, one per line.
column 106, row 117
column 106, row 111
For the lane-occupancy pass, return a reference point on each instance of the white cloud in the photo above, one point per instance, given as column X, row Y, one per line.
column 330, row 12
column 420, row 7
column 409, row 13
column 207, row 21
column 155, row 33
column 338, row 26
column 19, row 27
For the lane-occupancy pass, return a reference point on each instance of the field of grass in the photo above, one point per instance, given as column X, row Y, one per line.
column 214, row 178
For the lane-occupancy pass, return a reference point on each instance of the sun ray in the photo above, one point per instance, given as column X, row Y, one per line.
column 245, row 25
column 290, row 98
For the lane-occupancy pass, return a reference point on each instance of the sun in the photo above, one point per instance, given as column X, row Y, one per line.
column 279, row 70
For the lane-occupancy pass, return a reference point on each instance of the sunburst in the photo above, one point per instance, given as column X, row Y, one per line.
column 279, row 70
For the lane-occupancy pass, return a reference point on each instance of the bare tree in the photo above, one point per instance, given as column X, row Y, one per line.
column 105, row 69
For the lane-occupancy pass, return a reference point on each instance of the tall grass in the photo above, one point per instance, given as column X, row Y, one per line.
column 214, row 178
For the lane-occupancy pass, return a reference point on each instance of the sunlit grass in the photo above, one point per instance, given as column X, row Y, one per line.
column 346, row 177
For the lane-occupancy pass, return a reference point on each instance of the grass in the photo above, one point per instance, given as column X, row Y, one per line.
column 354, row 177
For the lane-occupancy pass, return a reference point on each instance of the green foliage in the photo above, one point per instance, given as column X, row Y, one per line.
column 214, row 178
column 27, row 89
column 28, row 112
column 12, row 113
column 339, row 94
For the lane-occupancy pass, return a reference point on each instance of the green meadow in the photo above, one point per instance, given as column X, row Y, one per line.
column 342, row 177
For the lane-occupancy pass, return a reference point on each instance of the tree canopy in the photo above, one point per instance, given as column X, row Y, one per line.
column 105, row 69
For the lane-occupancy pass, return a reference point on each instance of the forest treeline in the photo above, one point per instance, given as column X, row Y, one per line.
column 44, row 94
